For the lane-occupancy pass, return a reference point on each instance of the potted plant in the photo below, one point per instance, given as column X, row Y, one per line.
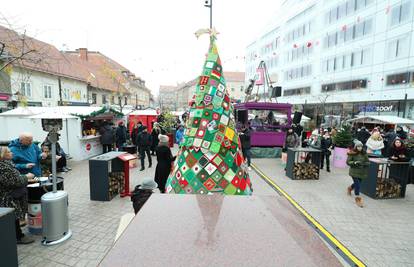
column 167, row 122
column 342, row 141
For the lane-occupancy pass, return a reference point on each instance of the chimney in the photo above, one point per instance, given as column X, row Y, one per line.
column 83, row 53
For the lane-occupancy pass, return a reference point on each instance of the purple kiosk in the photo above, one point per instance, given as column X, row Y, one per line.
column 268, row 122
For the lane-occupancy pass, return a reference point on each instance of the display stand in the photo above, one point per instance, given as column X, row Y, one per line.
column 106, row 176
column 386, row 179
column 299, row 168
column 126, row 158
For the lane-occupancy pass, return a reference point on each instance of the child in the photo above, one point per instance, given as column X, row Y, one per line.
column 358, row 163
column 46, row 164
column 142, row 193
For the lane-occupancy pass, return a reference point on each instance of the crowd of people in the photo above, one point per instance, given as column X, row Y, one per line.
column 21, row 162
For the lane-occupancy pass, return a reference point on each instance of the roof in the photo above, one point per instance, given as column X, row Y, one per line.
column 59, row 112
column 100, row 71
column 40, row 56
column 383, row 119
column 234, row 76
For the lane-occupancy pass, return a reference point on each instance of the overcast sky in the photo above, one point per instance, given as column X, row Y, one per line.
column 153, row 38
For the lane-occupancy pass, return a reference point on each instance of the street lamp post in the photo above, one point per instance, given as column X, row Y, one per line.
column 209, row 4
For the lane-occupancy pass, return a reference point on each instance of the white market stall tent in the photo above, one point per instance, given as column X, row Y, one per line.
column 73, row 142
column 382, row 120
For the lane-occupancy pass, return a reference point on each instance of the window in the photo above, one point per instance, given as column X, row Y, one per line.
column 93, row 98
column 350, row 7
column 241, row 88
column 296, row 91
column 398, row 48
column 47, row 91
column 347, row 85
column 125, row 101
column 400, row 13
column 367, row 27
column 26, row 89
column 103, row 99
column 399, row 78
column 112, row 100
column 359, row 30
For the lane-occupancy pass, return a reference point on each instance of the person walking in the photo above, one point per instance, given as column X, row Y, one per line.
column 245, row 144
column 156, row 131
column 358, row 163
column 121, row 136
column 13, row 193
column 164, row 162
column 144, row 144
column 326, row 147
column 107, row 137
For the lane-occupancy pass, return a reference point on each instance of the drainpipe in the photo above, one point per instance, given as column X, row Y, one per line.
column 60, row 92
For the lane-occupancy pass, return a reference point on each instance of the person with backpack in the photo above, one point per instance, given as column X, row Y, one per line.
column 358, row 163
column 144, row 142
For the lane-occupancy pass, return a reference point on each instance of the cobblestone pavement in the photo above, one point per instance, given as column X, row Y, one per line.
column 380, row 234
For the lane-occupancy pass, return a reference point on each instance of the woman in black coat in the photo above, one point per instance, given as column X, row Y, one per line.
column 164, row 161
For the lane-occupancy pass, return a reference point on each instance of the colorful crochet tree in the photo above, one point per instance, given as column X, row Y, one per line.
column 210, row 158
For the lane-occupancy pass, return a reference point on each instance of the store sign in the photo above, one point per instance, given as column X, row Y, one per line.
column 374, row 108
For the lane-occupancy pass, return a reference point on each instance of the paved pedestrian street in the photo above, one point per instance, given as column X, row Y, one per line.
column 380, row 234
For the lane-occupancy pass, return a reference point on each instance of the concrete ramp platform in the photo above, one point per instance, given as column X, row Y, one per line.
column 215, row 230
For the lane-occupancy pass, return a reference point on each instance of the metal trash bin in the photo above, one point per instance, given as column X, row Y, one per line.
column 34, row 195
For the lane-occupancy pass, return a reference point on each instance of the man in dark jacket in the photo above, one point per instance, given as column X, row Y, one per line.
column 120, row 135
column 363, row 135
column 107, row 137
column 144, row 144
column 245, row 143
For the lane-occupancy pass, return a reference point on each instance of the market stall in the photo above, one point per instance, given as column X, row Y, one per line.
column 385, row 121
column 80, row 134
column 146, row 116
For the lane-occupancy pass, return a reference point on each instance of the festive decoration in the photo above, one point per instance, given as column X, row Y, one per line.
column 295, row 46
column 210, row 158
column 99, row 112
column 309, row 44
column 344, row 28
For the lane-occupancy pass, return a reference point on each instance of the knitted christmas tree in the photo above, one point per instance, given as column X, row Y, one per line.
column 210, row 158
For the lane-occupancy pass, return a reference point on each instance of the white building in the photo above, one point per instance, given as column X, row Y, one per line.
column 341, row 57
column 44, row 89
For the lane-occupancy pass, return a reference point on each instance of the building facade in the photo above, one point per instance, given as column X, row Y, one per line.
column 235, row 85
column 167, row 97
column 340, row 57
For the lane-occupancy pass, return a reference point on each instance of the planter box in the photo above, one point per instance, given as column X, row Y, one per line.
column 339, row 157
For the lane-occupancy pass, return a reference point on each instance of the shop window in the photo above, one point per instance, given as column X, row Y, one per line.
column 399, row 78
